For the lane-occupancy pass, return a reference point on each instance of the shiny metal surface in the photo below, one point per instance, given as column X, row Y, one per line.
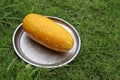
column 40, row 56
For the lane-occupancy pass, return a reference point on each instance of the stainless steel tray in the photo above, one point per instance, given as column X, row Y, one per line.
column 40, row 56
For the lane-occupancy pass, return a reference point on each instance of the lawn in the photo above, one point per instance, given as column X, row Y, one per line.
column 98, row 24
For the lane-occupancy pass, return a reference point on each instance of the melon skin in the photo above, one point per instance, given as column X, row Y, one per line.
column 48, row 33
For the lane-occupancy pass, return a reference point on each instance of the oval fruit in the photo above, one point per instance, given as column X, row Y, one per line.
column 47, row 33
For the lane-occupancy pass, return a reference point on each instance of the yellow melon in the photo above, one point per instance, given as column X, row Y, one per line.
column 48, row 33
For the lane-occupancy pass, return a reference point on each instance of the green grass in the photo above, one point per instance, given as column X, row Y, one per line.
column 98, row 23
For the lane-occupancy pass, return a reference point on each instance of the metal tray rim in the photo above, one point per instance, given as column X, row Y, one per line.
column 13, row 40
